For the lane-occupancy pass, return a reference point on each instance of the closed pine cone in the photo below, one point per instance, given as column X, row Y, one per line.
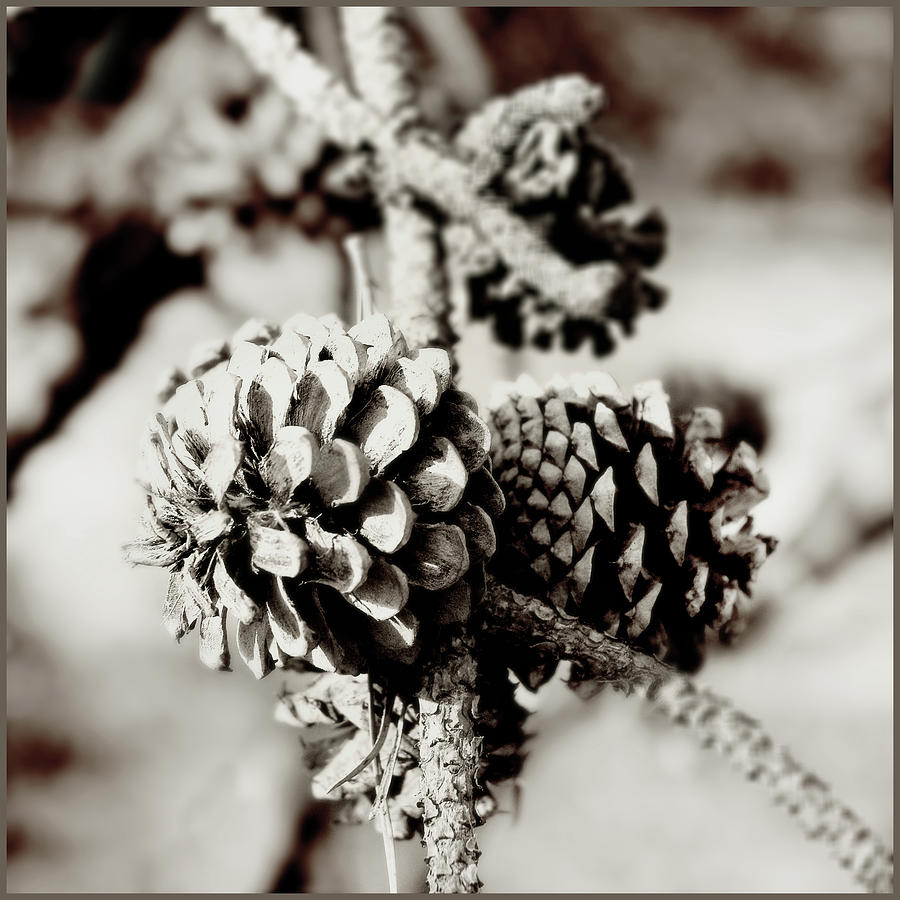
column 632, row 523
column 328, row 488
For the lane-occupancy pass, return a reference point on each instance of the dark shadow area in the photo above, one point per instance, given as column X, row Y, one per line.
column 124, row 274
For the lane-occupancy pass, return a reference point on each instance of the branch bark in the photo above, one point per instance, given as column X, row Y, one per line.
column 525, row 622
column 415, row 162
column 274, row 50
column 449, row 751
column 380, row 60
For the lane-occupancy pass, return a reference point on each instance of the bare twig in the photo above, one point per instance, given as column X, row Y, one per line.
column 416, row 163
column 381, row 65
column 274, row 50
column 449, row 751
column 809, row 800
column 527, row 622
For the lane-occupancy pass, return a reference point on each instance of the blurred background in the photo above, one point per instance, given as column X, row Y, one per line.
column 158, row 194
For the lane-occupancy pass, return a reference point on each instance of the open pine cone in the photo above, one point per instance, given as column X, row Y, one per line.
column 572, row 188
column 632, row 523
column 332, row 714
column 320, row 485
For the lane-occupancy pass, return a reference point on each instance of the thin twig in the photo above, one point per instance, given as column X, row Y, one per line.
column 449, row 750
column 362, row 280
column 415, row 162
column 522, row 621
column 381, row 63
column 387, row 827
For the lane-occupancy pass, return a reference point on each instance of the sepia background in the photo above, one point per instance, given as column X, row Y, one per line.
column 158, row 195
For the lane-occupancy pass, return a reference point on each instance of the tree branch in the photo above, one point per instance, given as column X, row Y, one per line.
column 381, row 63
column 378, row 52
column 526, row 622
column 449, row 753
column 417, row 162
column 444, row 181
column 274, row 50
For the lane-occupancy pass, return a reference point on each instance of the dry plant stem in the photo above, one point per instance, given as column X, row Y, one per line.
column 449, row 751
column 387, row 829
column 273, row 49
column 418, row 283
column 526, row 621
column 414, row 162
column 381, row 63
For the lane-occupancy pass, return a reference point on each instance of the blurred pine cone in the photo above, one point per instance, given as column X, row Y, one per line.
column 632, row 523
column 320, row 485
column 333, row 715
column 573, row 190
column 231, row 166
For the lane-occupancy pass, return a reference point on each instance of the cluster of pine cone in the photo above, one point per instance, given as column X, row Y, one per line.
column 328, row 488
column 624, row 519
column 335, row 493
column 251, row 159
column 572, row 188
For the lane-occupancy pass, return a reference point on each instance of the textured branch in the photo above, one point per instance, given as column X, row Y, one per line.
column 809, row 800
column 449, row 752
column 381, row 62
column 526, row 621
column 380, row 59
column 416, row 163
column 568, row 99
column 273, row 50
column 379, row 55
column 447, row 183
column 520, row 621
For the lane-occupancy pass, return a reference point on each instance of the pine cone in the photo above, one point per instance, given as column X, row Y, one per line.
column 333, row 715
column 320, row 485
column 632, row 523
column 572, row 188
